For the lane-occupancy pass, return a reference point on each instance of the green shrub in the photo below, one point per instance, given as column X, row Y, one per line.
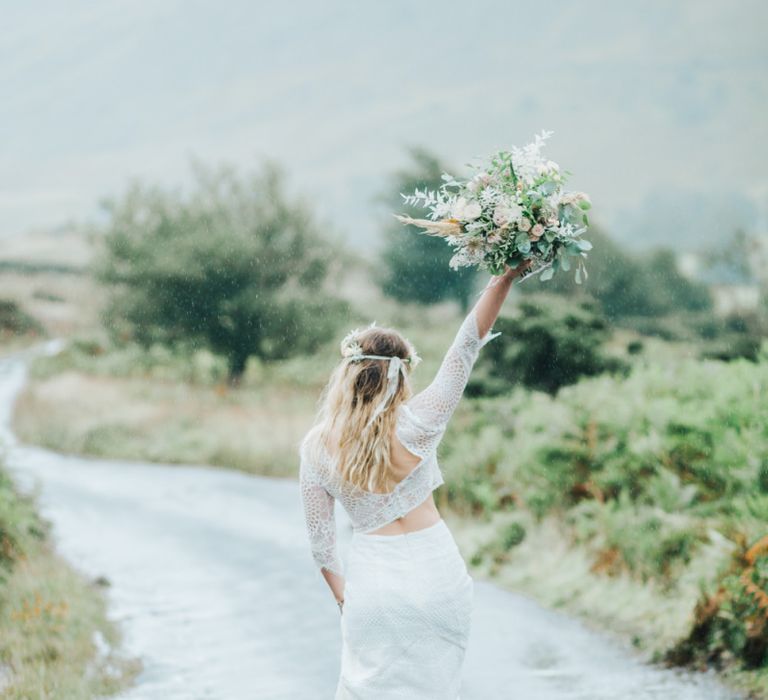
column 731, row 622
column 636, row 464
column 548, row 344
column 19, row 525
column 648, row 542
column 414, row 266
column 235, row 267
column 14, row 321
column 512, row 535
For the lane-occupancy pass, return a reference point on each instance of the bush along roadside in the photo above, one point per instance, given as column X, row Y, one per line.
column 55, row 639
column 731, row 622
column 640, row 502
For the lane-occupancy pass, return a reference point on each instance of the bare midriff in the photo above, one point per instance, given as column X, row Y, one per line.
column 421, row 516
column 424, row 514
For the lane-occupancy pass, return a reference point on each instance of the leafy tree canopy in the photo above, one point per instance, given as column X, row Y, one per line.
column 234, row 266
column 415, row 265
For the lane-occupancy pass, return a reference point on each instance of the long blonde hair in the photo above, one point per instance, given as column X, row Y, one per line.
column 347, row 404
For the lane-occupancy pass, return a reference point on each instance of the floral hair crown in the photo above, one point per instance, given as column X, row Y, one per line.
column 352, row 350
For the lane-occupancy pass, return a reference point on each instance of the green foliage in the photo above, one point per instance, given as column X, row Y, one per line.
column 14, row 321
column 19, row 525
column 627, row 286
column 512, row 535
column 234, row 267
column 474, row 490
column 731, row 623
column 647, row 541
column 128, row 359
column 644, row 464
column 49, row 615
column 549, row 343
column 415, row 265
column 735, row 336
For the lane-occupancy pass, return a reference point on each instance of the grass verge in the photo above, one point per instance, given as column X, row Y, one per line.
column 55, row 638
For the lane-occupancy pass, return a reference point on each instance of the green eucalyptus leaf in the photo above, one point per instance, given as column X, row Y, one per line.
column 547, row 188
column 547, row 274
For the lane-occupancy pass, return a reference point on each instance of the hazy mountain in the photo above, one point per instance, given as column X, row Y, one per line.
column 685, row 219
column 658, row 107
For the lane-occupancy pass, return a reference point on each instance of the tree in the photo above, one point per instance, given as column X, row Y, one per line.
column 628, row 285
column 550, row 342
column 234, row 266
column 415, row 265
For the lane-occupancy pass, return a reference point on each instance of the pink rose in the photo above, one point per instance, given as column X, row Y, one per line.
column 536, row 232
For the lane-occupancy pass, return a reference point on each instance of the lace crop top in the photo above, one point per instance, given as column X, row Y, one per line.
column 420, row 426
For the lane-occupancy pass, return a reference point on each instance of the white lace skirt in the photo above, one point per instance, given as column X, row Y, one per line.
column 407, row 612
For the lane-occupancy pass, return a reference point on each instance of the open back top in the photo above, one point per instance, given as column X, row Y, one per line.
column 421, row 423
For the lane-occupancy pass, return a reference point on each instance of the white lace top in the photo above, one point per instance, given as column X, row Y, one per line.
column 421, row 423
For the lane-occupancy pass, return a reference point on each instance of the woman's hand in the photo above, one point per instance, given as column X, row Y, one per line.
column 336, row 584
column 512, row 273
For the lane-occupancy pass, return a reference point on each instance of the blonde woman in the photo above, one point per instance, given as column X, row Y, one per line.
column 405, row 594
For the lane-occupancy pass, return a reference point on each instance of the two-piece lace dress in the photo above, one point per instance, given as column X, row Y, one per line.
column 407, row 598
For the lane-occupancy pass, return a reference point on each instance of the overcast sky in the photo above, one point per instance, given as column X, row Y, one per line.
column 658, row 107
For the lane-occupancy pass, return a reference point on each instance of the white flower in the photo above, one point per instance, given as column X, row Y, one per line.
column 457, row 210
column 488, row 196
column 350, row 347
column 478, row 182
column 472, row 211
column 442, row 209
column 574, row 198
column 456, row 261
column 506, row 213
column 524, row 224
column 500, row 217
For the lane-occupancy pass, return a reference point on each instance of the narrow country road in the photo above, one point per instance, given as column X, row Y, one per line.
column 214, row 588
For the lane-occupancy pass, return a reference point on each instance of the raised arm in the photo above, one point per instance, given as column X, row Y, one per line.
column 436, row 404
column 320, row 519
column 488, row 306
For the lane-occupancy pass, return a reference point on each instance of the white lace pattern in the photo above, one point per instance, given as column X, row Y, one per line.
column 421, row 423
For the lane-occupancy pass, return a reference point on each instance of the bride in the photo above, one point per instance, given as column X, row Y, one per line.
column 405, row 594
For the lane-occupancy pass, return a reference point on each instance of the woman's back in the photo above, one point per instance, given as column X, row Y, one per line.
column 402, row 463
column 419, row 428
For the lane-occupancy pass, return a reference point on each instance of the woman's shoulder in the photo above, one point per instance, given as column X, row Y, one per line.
column 310, row 447
column 410, row 415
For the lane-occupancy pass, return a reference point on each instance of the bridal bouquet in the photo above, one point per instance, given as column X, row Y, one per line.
column 513, row 209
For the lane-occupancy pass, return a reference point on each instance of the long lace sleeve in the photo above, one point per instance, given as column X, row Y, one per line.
column 435, row 405
column 320, row 517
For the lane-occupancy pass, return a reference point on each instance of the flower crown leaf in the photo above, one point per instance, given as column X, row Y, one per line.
column 351, row 348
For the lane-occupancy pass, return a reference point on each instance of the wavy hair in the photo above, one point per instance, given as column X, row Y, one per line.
column 348, row 401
